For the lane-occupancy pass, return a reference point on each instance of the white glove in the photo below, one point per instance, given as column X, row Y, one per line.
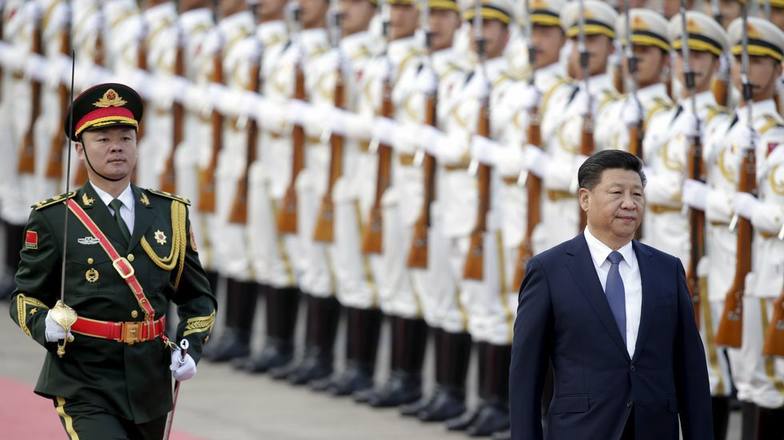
column 744, row 204
column 688, row 124
column 483, row 150
column 182, row 368
column 695, row 194
column 54, row 331
column 581, row 102
column 747, row 137
column 535, row 160
column 632, row 113
column 529, row 97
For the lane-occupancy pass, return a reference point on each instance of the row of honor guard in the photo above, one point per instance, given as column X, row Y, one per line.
column 434, row 238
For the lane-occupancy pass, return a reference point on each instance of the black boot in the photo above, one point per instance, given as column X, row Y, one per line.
column 413, row 409
column 404, row 385
column 281, row 317
column 14, row 238
column 321, row 329
column 363, row 396
column 240, row 309
column 463, row 421
column 363, row 328
column 771, row 424
column 750, row 420
column 494, row 415
column 449, row 400
column 721, row 416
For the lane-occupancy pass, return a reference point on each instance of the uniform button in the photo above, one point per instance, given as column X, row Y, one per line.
column 134, row 314
column 90, row 260
column 131, row 258
column 629, row 404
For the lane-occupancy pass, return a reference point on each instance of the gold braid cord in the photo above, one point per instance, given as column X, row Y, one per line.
column 199, row 324
column 22, row 303
column 176, row 256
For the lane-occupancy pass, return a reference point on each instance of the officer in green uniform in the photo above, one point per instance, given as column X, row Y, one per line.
column 128, row 252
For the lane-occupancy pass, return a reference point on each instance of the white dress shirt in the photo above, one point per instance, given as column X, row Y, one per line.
column 632, row 283
column 128, row 208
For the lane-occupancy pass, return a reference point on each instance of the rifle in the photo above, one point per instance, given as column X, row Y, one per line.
column 774, row 337
column 207, row 175
column 473, row 269
column 730, row 331
column 26, row 161
column 533, row 183
column 696, row 216
column 80, row 176
column 324, row 230
column 239, row 206
column 287, row 215
column 54, row 162
column 719, row 86
column 418, row 253
column 141, row 64
column 587, row 146
column 372, row 239
column 636, row 133
column 168, row 179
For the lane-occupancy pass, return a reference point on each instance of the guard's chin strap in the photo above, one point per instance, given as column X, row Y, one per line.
column 87, row 158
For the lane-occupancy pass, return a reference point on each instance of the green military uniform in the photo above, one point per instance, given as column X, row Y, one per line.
column 124, row 381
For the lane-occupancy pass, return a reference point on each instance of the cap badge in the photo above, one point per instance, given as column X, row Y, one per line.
column 110, row 98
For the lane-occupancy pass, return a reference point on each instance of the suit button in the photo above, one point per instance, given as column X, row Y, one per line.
column 633, row 368
column 134, row 314
column 629, row 404
column 131, row 258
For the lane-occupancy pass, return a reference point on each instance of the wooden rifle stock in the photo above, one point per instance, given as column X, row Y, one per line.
column 720, row 91
column 287, row 215
column 617, row 78
column 80, row 177
column 587, row 148
column 239, row 206
column 533, row 188
column 636, row 136
column 141, row 64
column 372, row 240
column 207, row 175
column 324, row 230
column 731, row 326
column 168, row 179
column 774, row 336
column 54, row 161
column 473, row 269
column 26, row 162
column 696, row 230
column 418, row 254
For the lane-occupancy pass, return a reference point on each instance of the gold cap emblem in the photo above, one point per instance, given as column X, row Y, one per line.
column 110, row 98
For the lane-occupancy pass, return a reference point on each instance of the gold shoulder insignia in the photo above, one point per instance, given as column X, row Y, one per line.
column 51, row 201
column 770, row 121
column 168, row 195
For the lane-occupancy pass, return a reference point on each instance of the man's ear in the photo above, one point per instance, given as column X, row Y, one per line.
column 79, row 147
column 584, row 197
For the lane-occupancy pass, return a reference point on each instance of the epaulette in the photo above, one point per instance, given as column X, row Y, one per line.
column 770, row 122
column 168, row 195
column 54, row 200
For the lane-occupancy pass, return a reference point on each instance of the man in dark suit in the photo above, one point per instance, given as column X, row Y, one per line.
column 614, row 318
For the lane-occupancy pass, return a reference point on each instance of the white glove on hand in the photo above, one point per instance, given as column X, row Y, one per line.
column 632, row 113
column 55, row 332
column 581, row 102
column 695, row 194
column 182, row 368
column 744, row 204
column 535, row 160
column 747, row 138
column 688, row 124
column 529, row 97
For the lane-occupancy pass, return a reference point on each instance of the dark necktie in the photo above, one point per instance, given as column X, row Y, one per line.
column 116, row 204
column 616, row 295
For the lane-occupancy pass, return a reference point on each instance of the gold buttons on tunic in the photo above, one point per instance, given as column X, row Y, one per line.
column 134, row 314
column 131, row 258
column 90, row 260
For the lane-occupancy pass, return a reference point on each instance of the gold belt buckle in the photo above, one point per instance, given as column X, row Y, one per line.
column 124, row 273
column 131, row 332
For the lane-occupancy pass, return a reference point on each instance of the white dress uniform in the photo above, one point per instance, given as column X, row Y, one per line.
column 610, row 131
column 436, row 286
column 381, row 274
column 229, row 241
column 122, row 36
column 160, row 38
column 195, row 26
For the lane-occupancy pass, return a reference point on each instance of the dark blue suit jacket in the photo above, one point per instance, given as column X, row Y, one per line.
column 563, row 316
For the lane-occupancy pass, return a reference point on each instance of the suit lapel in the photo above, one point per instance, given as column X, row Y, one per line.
column 99, row 212
column 585, row 277
column 648, row 289
column 143, row 217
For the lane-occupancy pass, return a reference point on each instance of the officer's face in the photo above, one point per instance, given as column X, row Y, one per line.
column 496, row 35
column 729, row 10
column 403, row 21
column 599, row 48
column 763, row 74
column 356, row 15
column 671, row 8
column 112, row 151
column 547, row 41
column 777, row 17
column 187, row 5
column 704, row 65
column 227, row 8
column 443, row 25
column 614, row 207
column 314, row 13
column 651, row 62
column 271, row 9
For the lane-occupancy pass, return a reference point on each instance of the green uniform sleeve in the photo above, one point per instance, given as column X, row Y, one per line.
column 195, row 300
column 37, row 278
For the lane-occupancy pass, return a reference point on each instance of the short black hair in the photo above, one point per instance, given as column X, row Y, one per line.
column 590, row 172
